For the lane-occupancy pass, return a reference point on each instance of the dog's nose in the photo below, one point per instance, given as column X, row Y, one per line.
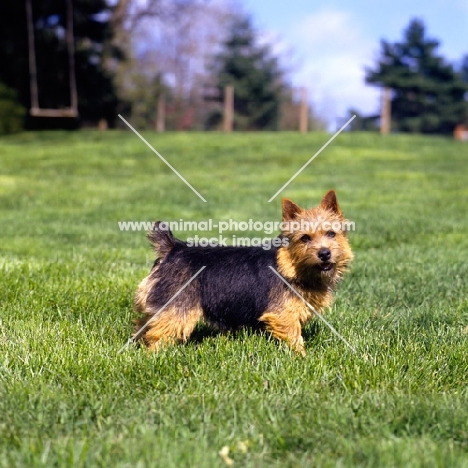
column 324, row 254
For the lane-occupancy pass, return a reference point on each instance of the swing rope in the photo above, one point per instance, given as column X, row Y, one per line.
column 36, row 110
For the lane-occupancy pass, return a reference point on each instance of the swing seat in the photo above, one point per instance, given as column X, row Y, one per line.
column 66, row 112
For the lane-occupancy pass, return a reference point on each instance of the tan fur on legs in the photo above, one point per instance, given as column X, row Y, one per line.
column 171, row 326
column 286, row 323
column 282, row 327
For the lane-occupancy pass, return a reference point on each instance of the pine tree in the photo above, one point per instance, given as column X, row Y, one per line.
column 464, row 68
column 428, row 94
column 255, row 74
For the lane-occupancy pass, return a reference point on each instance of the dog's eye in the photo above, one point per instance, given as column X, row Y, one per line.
column 305, row 238
column 331, row 234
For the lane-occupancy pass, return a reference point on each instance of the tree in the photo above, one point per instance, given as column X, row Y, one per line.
column 92, row 35
column 167, row 42
column 428, row 94
column 361, row 123
column 255, row 74
column 464, row 68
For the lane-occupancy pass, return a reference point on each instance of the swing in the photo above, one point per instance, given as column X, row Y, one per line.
column 35, row 110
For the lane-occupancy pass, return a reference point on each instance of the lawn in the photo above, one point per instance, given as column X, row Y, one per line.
column 68, row 275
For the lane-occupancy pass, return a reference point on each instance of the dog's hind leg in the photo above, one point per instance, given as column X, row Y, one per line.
column 167, row 326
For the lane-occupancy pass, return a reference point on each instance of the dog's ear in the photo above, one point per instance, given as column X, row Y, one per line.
column 330, row 202
column 290, row 210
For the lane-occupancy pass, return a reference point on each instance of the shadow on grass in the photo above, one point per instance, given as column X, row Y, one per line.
column 311, row 330
column 204, row 331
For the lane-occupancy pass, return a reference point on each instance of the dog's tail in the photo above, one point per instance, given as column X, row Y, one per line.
column 162, row 239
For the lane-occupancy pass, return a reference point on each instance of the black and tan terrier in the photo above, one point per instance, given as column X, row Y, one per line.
column 237, row 288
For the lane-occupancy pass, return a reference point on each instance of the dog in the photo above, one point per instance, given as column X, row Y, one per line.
column 239, row 286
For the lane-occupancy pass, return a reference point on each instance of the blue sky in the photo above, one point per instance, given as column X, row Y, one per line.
column 327, row 44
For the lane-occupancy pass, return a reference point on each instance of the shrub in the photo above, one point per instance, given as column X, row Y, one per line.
column 12, row 113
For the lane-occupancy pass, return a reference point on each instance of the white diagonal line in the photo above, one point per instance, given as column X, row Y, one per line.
column 162, row 159
column 312, row 158
column 132, row 339
column 313, row 310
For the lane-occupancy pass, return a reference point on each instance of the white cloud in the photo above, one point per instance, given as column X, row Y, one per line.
column 327, row 28
column 334, row 52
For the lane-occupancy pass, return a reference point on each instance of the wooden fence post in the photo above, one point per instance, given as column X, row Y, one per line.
column 386, row 112
column 228, row 108
column 304, row 112
column 161, row 114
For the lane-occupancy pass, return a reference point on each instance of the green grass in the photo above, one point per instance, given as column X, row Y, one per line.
column 67, row 278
